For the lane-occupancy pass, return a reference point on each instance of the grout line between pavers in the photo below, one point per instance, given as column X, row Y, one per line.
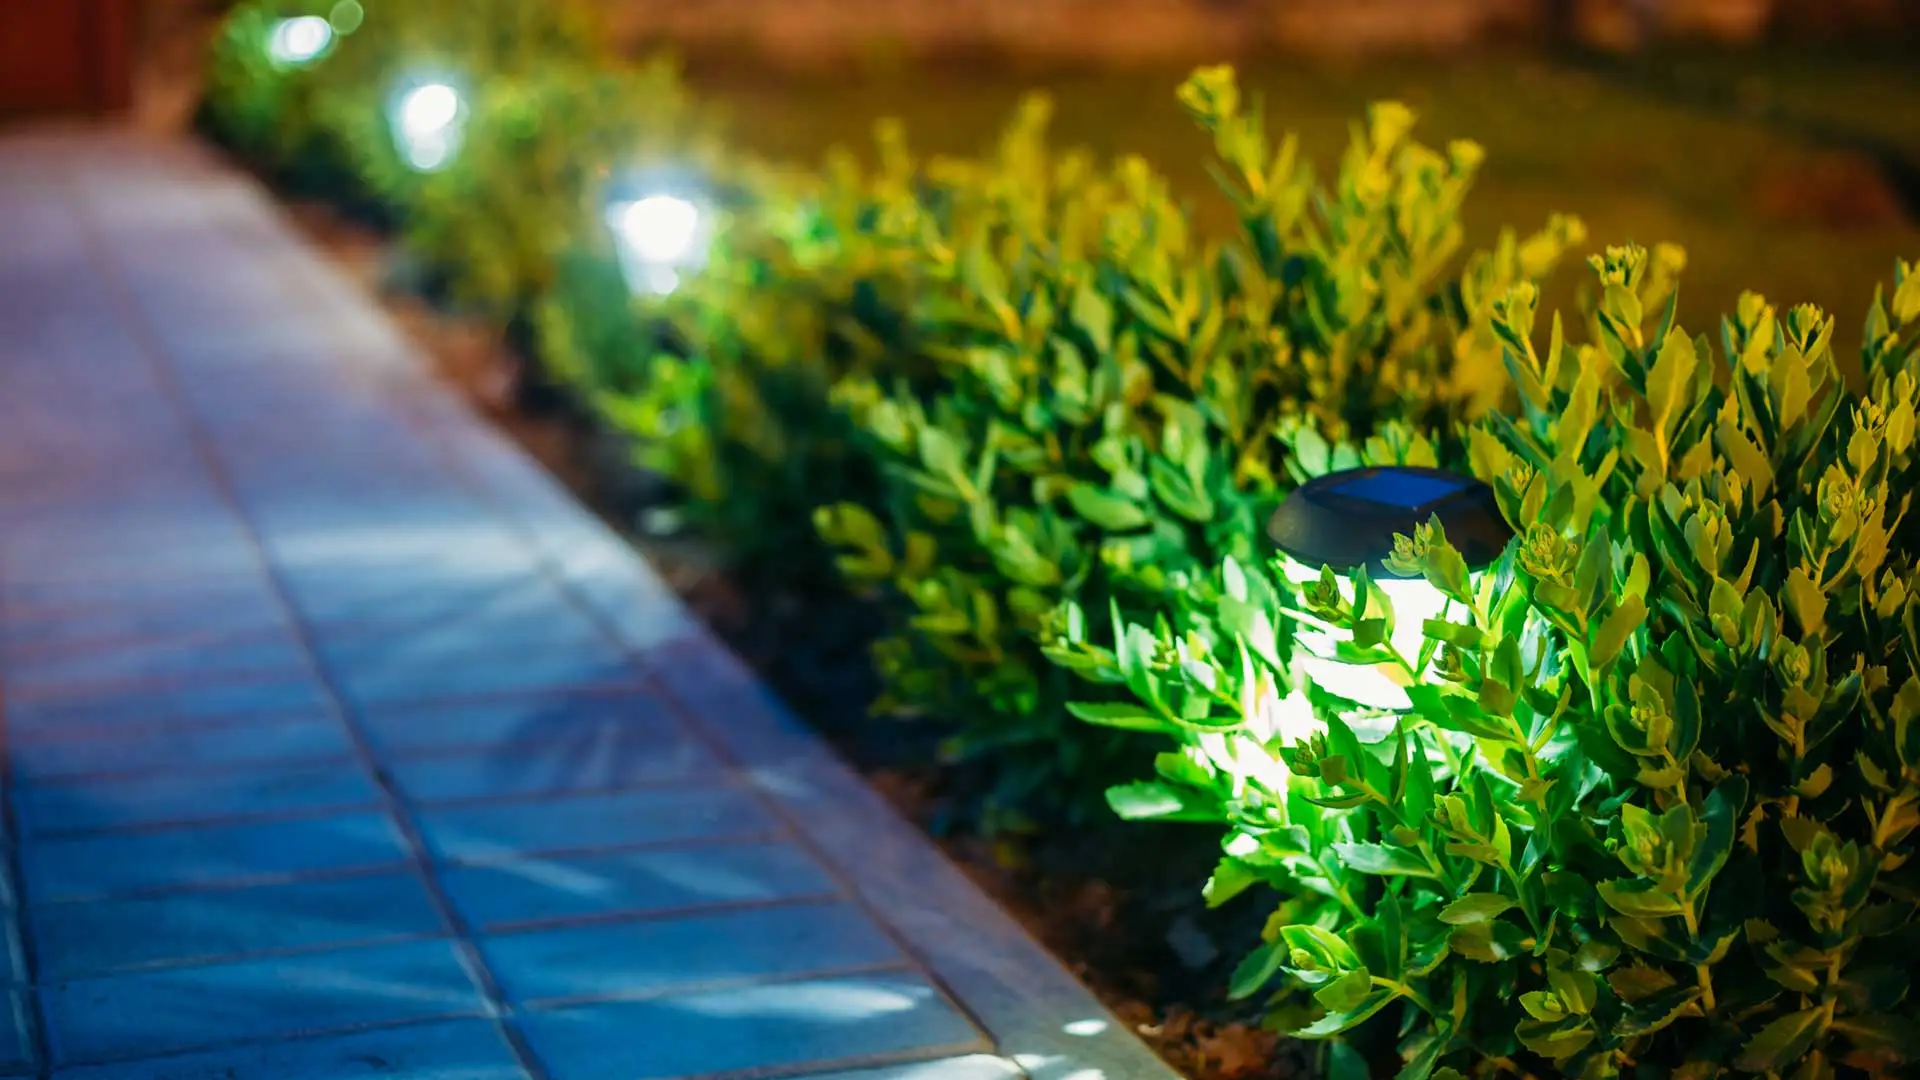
column 65, row 688
column 43, row 781
column 382, row 779
column 622, row 917
column 39, row 834
column 174, row 1053
column 409, row 755
column 139, row 326
column 339, row 873
column 47, row 733
column 84, row 730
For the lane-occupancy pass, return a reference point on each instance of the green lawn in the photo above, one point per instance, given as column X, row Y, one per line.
column 1634, row 165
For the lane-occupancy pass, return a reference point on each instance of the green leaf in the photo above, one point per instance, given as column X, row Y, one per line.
column 1256, row 970
column 1894, row 1036
column 1655, row 1009
column 1782, row 1042
column 1345, row 992
column 1620, row 302
column 1109, row 511
column 1420, row 1065
column 1542, row 1006
column 1506, row 676
column 1906, row 299
column 1383, row 860
column 1477, row 907
column 1668, row 384
column 1454, row 712
column 1748, row 460
column 1640, row 899
column 1721, row 815
column 1345, row 1063
column 1151, row 800
column 1335, row 1023
column 1638, row 983
column 1446, row 570
column 1488, row 942
column 1463, row 636
column 1118, row 714
column 940, row 453
column 1094, row 314
column 1610, row 637
column 1230, row 878
column 1806, row 602
column 1555, row 1041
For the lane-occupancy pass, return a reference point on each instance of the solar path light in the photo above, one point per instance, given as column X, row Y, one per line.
column 428, row 117
column 662, row 226
column 1346, row 521
column 300, row 41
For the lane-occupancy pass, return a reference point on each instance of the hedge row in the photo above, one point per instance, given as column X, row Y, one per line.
column 1648, row 807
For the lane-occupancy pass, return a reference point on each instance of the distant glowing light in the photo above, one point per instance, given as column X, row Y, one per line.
column 427, row 125
column 658, row 237
column 661, row 228
column 296, row 42
column 429, row 109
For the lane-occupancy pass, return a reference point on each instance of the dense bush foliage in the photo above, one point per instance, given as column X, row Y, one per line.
column 265, row 108
column 1645, row 802
column 539, row 151
column 1650, row 808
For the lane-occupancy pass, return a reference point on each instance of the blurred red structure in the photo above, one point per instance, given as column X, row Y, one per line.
column 65, row 56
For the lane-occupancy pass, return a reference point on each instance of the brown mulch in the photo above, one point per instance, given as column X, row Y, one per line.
column 1092, row 900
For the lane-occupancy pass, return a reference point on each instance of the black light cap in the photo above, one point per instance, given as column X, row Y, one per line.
column 1348, row 519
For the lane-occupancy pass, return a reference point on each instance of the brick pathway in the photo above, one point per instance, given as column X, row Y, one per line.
column 341, row 743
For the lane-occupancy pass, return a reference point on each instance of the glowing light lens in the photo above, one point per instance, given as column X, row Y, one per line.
column 426, row 125
column 659, row 228
column 658, row 237
column 428, row 110
column 1414, row 602
column 299, row 41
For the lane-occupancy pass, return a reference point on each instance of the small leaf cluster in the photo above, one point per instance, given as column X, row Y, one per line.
column 1649, row 808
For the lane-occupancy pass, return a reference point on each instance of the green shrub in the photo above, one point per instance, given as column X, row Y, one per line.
column 326, row 122
column 1651, row 812
column 489, row 49
column 724, row 385
column 1119, row 404
column 1027, row 409
column 529, row 182
column 263, row 110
